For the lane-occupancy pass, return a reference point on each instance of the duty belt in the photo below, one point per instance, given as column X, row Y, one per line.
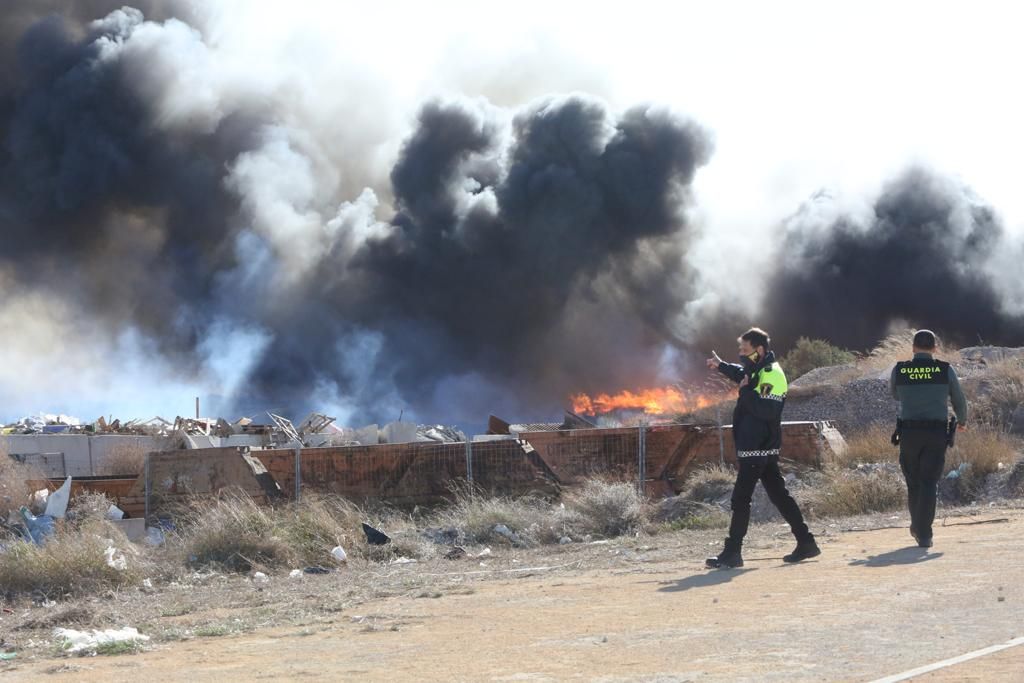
column 924, row 424
column 757, row 454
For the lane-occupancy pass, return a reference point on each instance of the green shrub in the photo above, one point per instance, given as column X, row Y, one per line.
column 809, row 354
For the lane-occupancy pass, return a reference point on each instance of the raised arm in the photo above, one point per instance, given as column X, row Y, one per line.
column 733, row 371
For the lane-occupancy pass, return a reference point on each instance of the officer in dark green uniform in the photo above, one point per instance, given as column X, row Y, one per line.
column 923, row 386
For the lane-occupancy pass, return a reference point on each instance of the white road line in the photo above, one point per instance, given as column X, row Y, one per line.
column 907, row 675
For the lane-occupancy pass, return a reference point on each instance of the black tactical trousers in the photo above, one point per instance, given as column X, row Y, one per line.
column 922, row 459
column 766, row 470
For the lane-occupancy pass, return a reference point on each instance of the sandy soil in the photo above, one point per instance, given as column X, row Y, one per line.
column 872, row 605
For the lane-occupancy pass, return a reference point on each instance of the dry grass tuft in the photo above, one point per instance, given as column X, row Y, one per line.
column 315, row 526
column 869, row 445
column 1000, row 394
column 88, row 508
column 984, row 451
column 841, row 492
column 1013, row 483
column 408, row 543
column 14, row 491
column 235, row 534
column 709, row 483
column 71, row 562
column 896, row 347
column 679, row 512
column 607, row 508
column 532, row 520
column 128, row 459
column 407, row 539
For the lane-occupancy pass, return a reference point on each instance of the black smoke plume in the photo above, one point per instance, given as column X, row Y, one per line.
column 96, row 202
column 513, row 250
column 924, row 257
column 521, row 255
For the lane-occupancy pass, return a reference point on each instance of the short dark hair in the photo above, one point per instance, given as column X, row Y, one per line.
column 924, row 339
column 757, row 337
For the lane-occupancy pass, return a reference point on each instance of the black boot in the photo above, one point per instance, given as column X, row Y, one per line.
column 805, row 550
column 921, row 542
column 727, row 559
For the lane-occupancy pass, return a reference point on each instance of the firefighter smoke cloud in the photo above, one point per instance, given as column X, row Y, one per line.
column 521, row 253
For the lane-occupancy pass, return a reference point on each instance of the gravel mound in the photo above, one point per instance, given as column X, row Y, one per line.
column 854, row 405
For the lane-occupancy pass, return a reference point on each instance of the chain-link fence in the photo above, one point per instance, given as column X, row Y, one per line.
column 656, row 458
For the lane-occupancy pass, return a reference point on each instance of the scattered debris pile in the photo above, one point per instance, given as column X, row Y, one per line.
column 440, row 433
column 47, row 423
column 317, row 430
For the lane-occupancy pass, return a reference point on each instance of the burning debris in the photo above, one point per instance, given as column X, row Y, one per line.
column 661, row 401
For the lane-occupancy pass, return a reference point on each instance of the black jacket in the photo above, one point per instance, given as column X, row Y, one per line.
column 757, row 418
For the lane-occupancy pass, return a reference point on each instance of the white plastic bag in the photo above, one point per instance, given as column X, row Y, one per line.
column 76, row 641
column 115, row 560
column 57, row 503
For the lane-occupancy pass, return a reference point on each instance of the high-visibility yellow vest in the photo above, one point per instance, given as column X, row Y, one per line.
column 772, row 382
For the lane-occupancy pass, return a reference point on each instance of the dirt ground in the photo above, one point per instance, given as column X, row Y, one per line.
column 871, row 606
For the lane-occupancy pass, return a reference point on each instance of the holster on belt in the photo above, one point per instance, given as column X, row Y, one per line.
column 896, row 432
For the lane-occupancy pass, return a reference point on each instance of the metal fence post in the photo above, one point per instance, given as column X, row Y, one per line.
column 298, row 474
column 469, row 459
column 148, row 488
column 821, row 443
column 641, row 465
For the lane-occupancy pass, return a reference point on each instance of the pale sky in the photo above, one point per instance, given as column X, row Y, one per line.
column 799, row 95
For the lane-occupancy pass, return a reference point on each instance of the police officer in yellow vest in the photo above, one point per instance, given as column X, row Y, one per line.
column 923, row 386
column 757, row 432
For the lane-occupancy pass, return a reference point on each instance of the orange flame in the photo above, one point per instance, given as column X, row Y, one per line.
column 656, row 401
